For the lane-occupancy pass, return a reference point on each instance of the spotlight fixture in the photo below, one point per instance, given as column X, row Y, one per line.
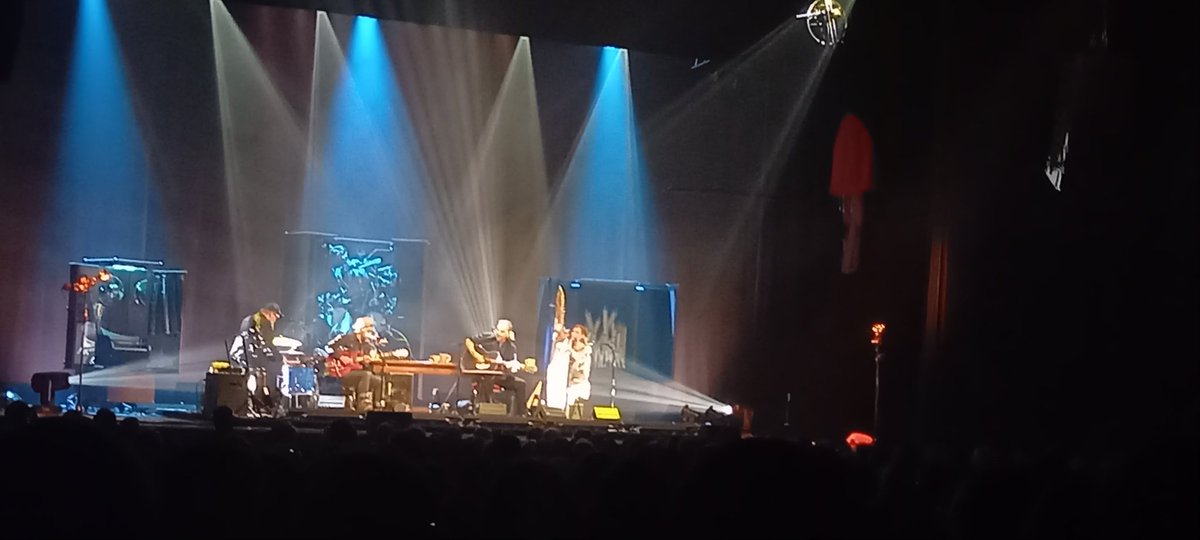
column 826, row 21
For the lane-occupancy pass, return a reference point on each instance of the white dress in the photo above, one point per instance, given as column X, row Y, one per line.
column 579, row 385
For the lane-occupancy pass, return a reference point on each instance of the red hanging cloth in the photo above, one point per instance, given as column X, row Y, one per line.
column 852, row 171
column 851, row 159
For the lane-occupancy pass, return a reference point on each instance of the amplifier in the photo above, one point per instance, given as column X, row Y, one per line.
column 398, row 391
column 226, row 390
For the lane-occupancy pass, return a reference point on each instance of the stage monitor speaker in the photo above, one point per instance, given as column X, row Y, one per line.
column 606, row 413
column 398, row 391
column 226, row 390
column 493, row 409
column 399, row 420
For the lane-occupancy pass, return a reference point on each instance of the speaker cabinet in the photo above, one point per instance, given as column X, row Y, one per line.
column 226, row 390
column 398, row 391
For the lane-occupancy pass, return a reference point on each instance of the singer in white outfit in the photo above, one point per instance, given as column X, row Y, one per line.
column 567, row 376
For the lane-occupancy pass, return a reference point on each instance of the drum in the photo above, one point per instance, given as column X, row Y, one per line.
column 299, row 380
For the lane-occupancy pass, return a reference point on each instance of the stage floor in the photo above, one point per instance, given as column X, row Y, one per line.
column 318, row 420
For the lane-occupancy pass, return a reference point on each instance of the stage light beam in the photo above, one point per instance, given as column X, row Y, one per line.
column 365, row 177
column 604, row 206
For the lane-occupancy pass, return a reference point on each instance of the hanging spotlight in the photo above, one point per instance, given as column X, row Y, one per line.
column 826, row 21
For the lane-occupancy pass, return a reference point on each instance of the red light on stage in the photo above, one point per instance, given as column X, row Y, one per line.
column 85, row 283
column 747, row 416
column 877, row 333
column 857, row 439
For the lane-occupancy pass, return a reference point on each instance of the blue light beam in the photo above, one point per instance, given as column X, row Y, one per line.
column 367, row 179
column 103, row 203
column 609, row 230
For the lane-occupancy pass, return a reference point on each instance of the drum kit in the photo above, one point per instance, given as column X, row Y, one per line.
column 299, row 373
column 298, row 377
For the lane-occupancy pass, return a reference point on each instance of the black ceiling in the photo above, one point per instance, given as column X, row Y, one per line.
column 686, row 28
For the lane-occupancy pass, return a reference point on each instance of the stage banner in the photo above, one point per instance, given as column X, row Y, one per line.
column 132, row 318
column 631, row 325
column 330, row 280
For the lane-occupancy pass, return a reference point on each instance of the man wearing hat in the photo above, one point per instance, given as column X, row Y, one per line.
column 263, row 321
column 351, row 352
column 257, row 335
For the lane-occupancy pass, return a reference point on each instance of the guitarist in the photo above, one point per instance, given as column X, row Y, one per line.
column 349, row 359
column 498, row 349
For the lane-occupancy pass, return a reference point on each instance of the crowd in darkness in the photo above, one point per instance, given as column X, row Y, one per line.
column 104, row 476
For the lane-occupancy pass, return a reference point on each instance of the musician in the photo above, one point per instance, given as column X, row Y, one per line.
column 263, row 322
column 357, row 347
column 253, row 348
column 500, row 346
column 567, row 376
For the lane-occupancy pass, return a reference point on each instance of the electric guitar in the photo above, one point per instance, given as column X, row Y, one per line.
column 486, row 361
column 342, row 363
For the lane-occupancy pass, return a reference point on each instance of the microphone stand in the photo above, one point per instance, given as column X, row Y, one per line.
column 612, row 393
column 875, row 416
column 787, row 411
column 99, row 310
column 79, row 361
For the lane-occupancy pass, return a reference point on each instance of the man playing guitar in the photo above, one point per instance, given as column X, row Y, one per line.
column 497, row 350
column 350, row 355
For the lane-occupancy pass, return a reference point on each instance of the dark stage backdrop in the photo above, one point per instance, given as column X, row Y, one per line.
column 1017, row 313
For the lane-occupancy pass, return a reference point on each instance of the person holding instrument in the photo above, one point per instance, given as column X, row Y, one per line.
column 350, row 355
column 497, row 350
column 567, row 376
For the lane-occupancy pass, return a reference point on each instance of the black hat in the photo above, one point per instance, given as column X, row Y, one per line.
column 273, row 307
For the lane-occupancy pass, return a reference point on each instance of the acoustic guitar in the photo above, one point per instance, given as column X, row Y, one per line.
column 486, row 361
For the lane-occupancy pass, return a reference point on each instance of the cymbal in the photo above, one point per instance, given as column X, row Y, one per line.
column 286, row 342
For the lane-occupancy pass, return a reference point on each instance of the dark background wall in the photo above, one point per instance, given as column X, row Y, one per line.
column 1060, row 315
